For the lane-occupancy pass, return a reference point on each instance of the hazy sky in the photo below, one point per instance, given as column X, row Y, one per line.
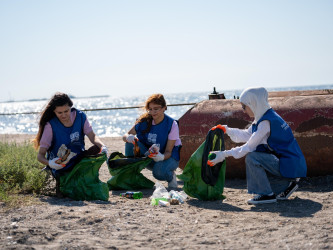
column 135, row 47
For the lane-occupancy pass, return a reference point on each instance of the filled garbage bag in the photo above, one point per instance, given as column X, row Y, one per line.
column 83, row 183
column 126, row 172
column 214, row 142
column 194, row 185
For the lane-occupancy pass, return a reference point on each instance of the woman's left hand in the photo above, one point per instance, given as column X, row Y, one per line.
column 220, row 156
column 158, row 157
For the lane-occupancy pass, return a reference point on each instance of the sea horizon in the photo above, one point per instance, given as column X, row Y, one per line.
column 303, row 87
column 115, row 122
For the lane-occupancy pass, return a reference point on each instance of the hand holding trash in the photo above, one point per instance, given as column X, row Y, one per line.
column 131, row 138
column 54, row 165
column 158, row 157
column 104, row 150
column 215, row 157
column 155, row 154
column 222, row 127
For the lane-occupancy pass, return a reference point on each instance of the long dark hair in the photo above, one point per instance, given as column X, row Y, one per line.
column 58, row 100
column 156, row 99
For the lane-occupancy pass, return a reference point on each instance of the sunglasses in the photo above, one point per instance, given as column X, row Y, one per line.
column 155, row 109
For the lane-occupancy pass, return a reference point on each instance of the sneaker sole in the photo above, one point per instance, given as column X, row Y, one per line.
column 290, row 193
column 261, row 202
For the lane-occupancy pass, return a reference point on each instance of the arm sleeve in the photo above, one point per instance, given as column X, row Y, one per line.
column 174, row 134
column 239, row 135
column 47, row 136
column 87, row 128
column 257, row 138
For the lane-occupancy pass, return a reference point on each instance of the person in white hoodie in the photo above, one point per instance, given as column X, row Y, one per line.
column 274, row 160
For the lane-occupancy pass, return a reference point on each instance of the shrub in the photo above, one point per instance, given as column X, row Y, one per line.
column 20, row 172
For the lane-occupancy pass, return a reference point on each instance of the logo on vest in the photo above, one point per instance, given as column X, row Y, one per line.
column 285, row 126
column 75, row 136
column 152, row 138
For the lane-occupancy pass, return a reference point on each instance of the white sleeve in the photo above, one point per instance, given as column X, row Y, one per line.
column 257, row 138
column 239, row 135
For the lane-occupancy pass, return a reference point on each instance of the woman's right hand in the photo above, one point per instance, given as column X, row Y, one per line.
column 54, row 165
column 219, row 126
column 131, row 138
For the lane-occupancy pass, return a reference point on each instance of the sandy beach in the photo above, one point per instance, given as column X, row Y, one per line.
column 302, row 222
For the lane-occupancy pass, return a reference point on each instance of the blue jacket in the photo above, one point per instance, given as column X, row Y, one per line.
column 282, row 143
column 158, row 134
column 72, row 137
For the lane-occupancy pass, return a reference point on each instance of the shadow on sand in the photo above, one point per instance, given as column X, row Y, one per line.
column 296, row 208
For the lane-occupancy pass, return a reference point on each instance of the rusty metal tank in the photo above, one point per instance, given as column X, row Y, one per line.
column 308, row 113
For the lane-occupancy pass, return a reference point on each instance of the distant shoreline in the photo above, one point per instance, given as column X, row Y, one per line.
column 285, row 88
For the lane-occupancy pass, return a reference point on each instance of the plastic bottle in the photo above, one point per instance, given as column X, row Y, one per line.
column 176, row 195
column 163, row 203
column 132, row 195
column 136, row 149
column 154, row 201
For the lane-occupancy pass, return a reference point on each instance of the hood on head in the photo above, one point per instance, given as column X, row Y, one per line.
column 257, row 99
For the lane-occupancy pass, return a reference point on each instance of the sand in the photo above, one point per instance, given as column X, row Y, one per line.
column 302, row 222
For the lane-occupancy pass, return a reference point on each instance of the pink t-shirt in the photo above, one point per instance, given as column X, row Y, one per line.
column 47, row 136
column 174, row 133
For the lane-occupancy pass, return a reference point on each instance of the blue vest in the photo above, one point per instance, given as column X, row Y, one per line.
column 282, row 143
column 158, row 134
column 72, row 137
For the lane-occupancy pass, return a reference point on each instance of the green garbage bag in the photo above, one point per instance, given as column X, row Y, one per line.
column 194, row 185
column 83, row 183
column 126, row 172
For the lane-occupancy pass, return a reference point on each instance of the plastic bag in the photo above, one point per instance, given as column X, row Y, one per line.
column 194, row 185
column 160, row 191
column 214, row 142
column 83, row 183
column 126, row 172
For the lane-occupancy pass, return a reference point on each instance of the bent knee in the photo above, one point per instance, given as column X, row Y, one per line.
column 251, row 158
column 158, row 174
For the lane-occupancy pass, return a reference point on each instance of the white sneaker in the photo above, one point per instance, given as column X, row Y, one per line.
column 173, row 183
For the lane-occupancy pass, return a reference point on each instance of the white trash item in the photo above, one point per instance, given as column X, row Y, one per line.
column 162, row 203
column 160, row 191
column 181, row 196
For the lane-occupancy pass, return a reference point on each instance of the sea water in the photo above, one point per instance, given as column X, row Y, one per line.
column 110, row 123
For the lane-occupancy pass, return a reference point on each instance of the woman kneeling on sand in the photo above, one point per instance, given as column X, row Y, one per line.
column 157, row 131
column 60, row 137
column 274, row 161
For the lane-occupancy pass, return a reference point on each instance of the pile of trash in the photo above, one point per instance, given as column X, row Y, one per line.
column 163, row 198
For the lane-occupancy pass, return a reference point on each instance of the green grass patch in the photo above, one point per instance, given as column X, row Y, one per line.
column 20, row 172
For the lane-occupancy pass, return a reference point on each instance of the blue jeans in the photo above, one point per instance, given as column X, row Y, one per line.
column 162, row 170
column 263, row 174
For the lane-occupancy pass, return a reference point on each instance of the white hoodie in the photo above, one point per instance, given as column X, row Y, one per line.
column 257, row 100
